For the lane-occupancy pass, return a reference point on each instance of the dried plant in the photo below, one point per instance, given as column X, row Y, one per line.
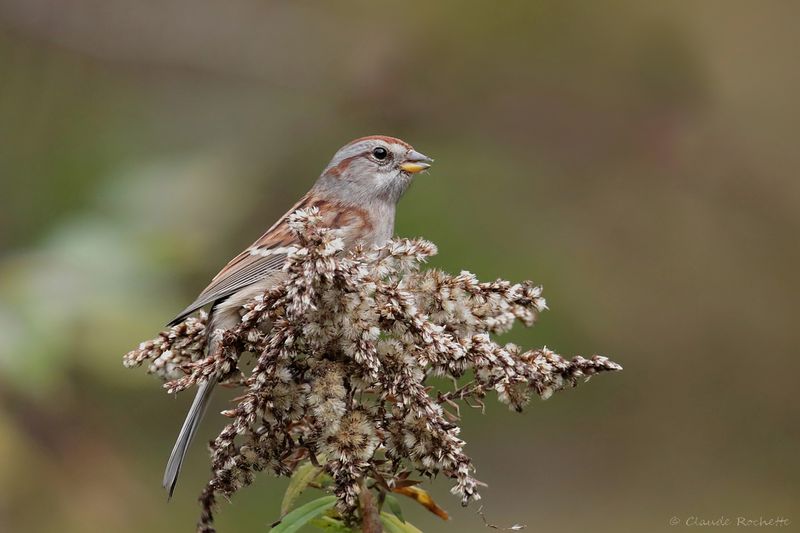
column 343, row 349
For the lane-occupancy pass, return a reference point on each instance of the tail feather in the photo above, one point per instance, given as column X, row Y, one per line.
column 223, row 315
column 187, row 433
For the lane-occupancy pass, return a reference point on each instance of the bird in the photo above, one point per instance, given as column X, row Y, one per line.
column 356, row 195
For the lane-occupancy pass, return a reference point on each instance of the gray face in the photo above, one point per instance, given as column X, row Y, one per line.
column 372, row 169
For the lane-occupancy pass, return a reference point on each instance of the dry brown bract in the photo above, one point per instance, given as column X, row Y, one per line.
column 343, row 349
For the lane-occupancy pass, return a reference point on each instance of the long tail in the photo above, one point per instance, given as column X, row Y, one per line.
column 187, row 432
column 222, row 316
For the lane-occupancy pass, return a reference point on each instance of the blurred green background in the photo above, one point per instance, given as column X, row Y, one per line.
column 637, row 158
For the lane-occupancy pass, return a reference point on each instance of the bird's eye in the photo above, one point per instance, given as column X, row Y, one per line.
column 380, row 153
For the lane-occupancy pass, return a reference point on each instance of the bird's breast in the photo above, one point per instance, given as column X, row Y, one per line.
column 371, row 226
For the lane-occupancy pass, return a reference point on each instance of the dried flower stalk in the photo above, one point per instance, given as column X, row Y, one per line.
column 343, row 348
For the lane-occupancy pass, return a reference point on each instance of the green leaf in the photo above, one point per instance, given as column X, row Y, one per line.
column 392, row 524
column 330, row 525
column 394, row 507
column 304, row 475
column 323, row 479
column 302, row 515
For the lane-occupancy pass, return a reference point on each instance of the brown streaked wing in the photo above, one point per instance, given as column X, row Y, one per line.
column 253, row 269
column 246, row 268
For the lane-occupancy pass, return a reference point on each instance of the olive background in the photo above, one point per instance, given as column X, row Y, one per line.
column 637, row 158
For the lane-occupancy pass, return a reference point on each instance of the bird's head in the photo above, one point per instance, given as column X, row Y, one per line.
column 372, row 168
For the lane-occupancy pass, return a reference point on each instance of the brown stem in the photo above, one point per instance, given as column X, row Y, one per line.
column 370, row 514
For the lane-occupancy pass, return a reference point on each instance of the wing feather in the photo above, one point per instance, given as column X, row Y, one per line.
column 249, row 271
column 262, row 258
column 268, row 254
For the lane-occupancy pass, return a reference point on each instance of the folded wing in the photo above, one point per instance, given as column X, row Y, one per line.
column 264, row 257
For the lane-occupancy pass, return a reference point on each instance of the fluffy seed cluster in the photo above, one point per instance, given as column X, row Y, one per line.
column 342, row 352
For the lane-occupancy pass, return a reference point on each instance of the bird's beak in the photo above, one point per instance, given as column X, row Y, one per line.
column 415, row 162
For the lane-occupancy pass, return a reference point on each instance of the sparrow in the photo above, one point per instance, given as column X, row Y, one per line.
column 356, row 195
